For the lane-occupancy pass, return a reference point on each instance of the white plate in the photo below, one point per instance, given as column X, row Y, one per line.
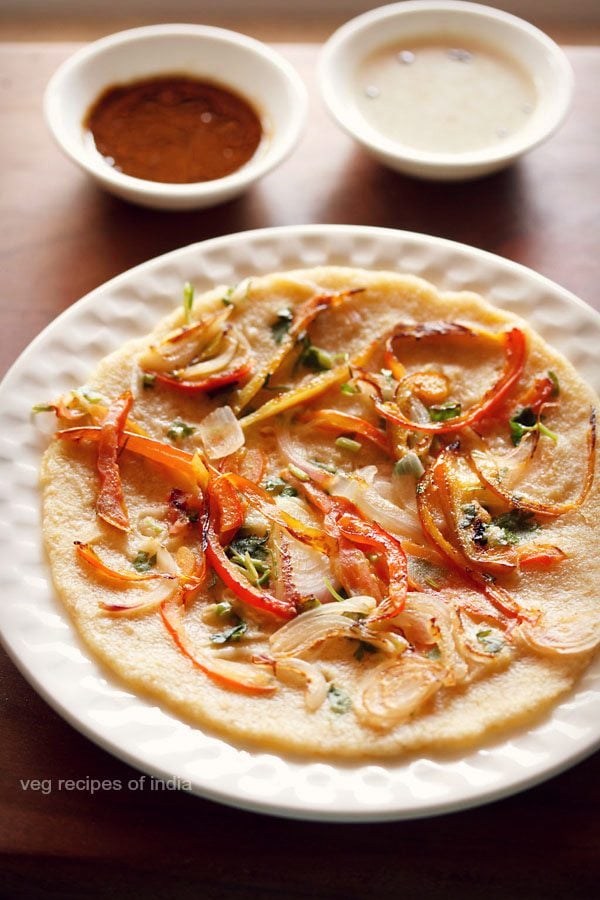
column 44, row 645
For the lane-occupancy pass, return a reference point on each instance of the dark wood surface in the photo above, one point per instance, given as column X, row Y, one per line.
column 61, row 237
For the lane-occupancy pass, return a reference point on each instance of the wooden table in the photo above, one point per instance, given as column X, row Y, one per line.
column 61, row 238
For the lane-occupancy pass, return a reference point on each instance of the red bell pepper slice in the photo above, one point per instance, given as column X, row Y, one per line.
column 110, row 504
column 515, row 350
column 230, row 509
column 212, row 383
column 231, row 575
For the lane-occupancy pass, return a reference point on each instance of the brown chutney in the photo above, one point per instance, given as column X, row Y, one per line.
column 174, row 129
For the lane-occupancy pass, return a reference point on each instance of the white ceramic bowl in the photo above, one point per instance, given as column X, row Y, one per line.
column 536, row 54
column 232, row 60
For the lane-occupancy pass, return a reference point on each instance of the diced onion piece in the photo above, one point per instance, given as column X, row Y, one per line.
column 396, row 690
column 320, row 624
column 295, row 671
column 399, row 522
column 566, row 636
column 220, row 433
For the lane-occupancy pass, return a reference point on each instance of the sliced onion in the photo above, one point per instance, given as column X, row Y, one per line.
column 566, row 636
column 298, row 671
column 487, row 468
column 320, row 624
column 309, row 568
column 396, row 690
column 399, row 522
column 182, row 345
column 427, row 619
column 201, row 370
column 293, row 451
column 220, row 433
column 487, row 647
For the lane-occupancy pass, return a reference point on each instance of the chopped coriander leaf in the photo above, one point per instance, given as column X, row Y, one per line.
column 346, row 443
column 315, row 358
column 230, row 635
column 226, row 298
column 434, row 652
column 188, row 300
column 179, row 430
column 253, row 544
column 444, row 411
column 278, row 486
column 281, row 325
column 339, row 596
column 42, row 407
column 339, row 700
column 521, row 423
column 144, row 562
column 515, row 524
column 492, row 642
column 525, row 422
column 348, row 388
column 148, row 380
column 363, row 647
column 555, row 382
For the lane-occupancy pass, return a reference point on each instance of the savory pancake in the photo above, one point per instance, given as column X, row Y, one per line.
column 332, row 511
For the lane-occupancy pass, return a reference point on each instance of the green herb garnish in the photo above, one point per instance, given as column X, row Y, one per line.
column 346, row 443
column 188, row 300
column 515, row 524
column 224, row 608
column 444, row 411
column 230, row 635
column 348, row 388
column 434, row 652
column 339, row 700
column 279, row 487
column 250, row 554
column 144, row 562
column 315, row 358
column 410, row 464
column 336, row 596
column 281, row 325
column 327, row 467
column 490, row 640
column 298, row 473
column 42, row 407
column 148, row 380
column 555, row 382
column 526, row 421
column 179, row 430
column 226, row 298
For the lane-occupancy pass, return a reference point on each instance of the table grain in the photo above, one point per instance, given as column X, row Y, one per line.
column 62, row 237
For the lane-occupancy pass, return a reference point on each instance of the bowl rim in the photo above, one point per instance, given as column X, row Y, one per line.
column 236, row 181
column 377, row 143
